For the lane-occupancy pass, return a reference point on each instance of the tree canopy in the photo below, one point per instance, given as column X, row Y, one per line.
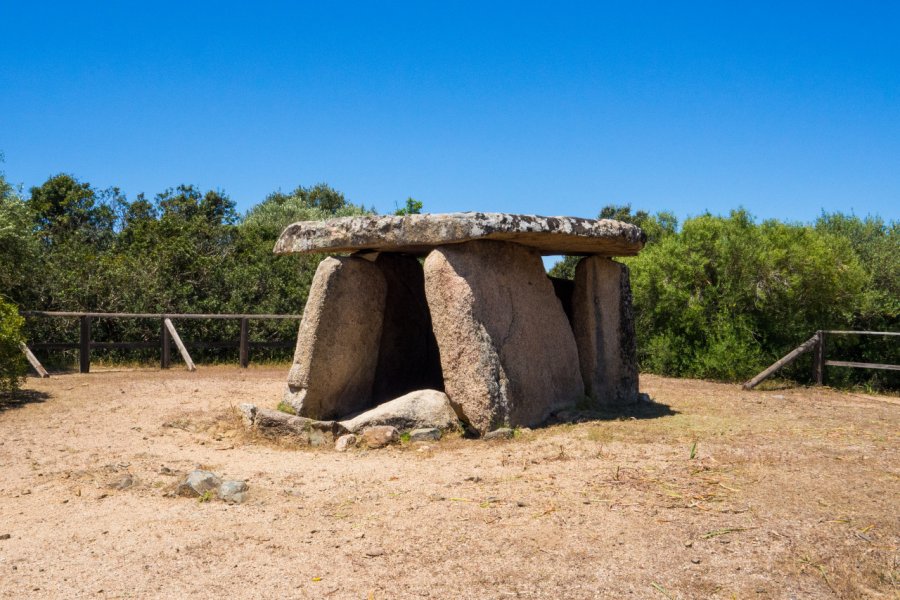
column 715, row 297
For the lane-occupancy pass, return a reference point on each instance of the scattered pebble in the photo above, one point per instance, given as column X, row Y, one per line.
column 430, row 434
column 197, row 483
column 234, row 491
column 504, row 433
column 379, row 436
column 123, row 484
column 345, row 442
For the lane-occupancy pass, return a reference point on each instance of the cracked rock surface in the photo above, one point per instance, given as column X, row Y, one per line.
column 418, row 234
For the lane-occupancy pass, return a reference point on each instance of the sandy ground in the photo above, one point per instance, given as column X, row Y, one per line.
column 791, row 493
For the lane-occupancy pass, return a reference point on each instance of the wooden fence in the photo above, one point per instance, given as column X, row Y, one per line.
column 816, row 344
column 168, row 335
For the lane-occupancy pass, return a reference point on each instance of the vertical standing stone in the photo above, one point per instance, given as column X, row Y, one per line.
column 604, row 331
column 408, row 358
column 507, row 351
column 337, row 346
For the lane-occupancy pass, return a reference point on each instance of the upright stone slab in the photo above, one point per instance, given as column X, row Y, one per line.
column 603, row 321
column 507, row 351
column 408, row 357
column 337, row 346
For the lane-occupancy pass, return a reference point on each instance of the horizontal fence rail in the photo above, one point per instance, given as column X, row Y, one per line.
column 168, row 335
column 106, row 315
column 816, row 344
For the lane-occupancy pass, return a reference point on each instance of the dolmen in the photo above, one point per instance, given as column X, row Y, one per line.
column 461, row 303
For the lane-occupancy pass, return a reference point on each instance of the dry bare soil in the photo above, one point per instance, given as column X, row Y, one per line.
column 790, row 493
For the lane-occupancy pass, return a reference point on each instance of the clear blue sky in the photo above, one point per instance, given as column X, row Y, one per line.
column 548, row 108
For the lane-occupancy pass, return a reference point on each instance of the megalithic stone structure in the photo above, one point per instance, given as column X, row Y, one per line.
column 513, row 347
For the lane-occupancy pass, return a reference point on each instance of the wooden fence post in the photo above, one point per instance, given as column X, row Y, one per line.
column 33, row 361
column 245, row 343
column 781, row 362
column 819, row 359
column 178, row 344
column 165, row 351
column 84, row 348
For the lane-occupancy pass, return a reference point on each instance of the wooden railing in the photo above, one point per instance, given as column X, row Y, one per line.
column 816, row 344
column 168, row 335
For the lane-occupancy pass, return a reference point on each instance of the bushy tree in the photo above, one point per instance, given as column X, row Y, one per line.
column 314, row 203
column 18, row 245
column 726, row 296
column 412, row 207
column 12, row 363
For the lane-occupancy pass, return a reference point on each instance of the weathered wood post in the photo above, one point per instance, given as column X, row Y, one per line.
column 165, row 356
column 167, row 323
column 84, row 347
column 33, row 361
column 245, row 343
column 819, row 359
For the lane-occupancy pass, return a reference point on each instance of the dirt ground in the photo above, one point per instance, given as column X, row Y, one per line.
column 790, row 493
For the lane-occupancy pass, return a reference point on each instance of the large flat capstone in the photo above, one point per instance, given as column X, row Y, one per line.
column 418, row 234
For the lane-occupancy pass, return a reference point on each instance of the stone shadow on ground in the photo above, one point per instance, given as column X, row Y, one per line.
column 646, row 408
column 18, row 399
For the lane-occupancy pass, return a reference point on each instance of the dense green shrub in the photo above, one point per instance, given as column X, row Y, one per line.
column 723, row 297
column 12, row 363
column 182, row 251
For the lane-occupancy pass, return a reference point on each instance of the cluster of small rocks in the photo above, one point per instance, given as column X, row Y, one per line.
column 206, row 484
column 424, row 415
column 380, row 436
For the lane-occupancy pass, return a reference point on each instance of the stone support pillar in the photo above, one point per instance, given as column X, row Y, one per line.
column 337, row 346
column 603, row 321
column 507, row 351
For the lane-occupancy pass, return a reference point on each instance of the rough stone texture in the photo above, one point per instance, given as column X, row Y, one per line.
column 419, row 409
column 507, row 351
column 345, row 442
column 431, row 434
column 197, row 483
column 305, row 431
column 604, row 331
column 234, row 491
column 504, row 433
column 248, row 413
column 380, row 436
column 408, row 356
column 417, row 234
column 337, row 345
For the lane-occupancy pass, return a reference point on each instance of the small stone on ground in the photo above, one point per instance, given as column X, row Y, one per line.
column 234, row 491
column 430, row 434
column 345, row 442
column 378, row 437
column 504, row 433
column 197, row 483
